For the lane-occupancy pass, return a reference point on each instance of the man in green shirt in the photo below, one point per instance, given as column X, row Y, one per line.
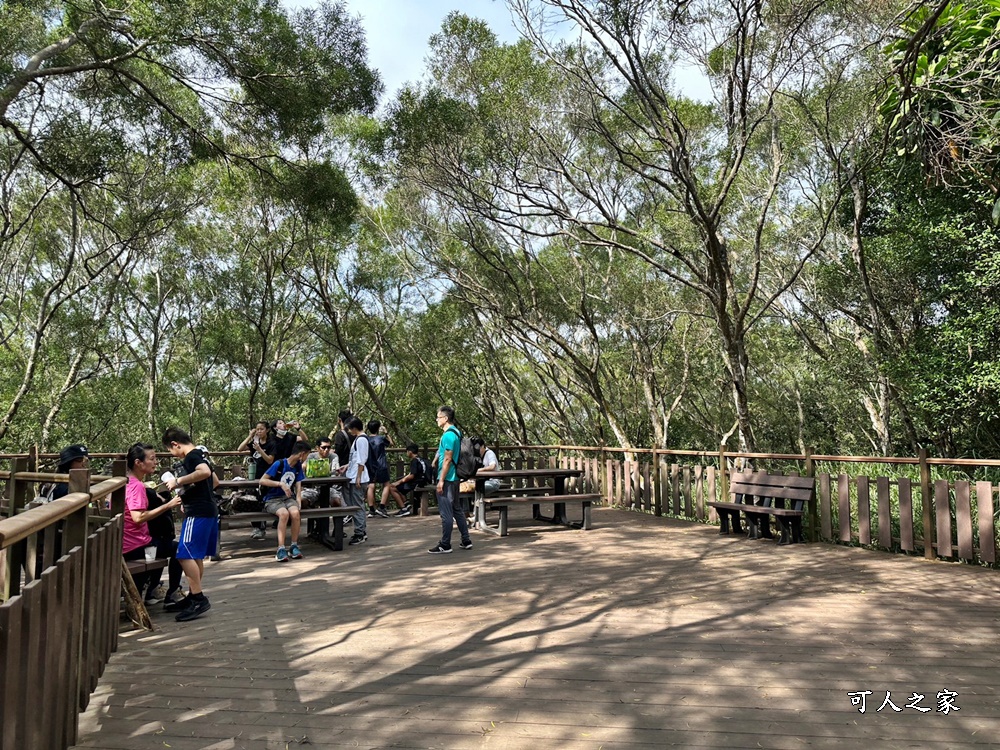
column 447, row 484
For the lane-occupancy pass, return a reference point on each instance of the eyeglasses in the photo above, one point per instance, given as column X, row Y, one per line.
column 324, row 447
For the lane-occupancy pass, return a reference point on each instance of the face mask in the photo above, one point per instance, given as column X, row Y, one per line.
column 282, row 433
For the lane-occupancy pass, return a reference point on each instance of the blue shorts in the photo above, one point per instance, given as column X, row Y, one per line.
column 199, row 538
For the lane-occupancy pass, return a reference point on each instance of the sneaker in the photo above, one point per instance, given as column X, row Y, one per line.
column 194, row 610
column 381, row 512
column 439, row 550
column 294, row 552
column 282, row 555
column 358, row 539
column 176, row 605
column 406, row 510
column 466, row 544
column 371, row 513
column 348, row 520
column 257, row 535
column 155, row 596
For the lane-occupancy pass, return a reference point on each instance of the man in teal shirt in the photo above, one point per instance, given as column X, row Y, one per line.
column 447, row 485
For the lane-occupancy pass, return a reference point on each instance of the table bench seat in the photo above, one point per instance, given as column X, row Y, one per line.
column 559, row 502
column 337, row 513
column 144, row 566
column 759, row 496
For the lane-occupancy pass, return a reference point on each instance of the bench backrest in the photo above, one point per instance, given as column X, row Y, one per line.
column 760, row 484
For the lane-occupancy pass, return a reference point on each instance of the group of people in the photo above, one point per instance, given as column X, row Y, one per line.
column 278, row 453
column 149, row 522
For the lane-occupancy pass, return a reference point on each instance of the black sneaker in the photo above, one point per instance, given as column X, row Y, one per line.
column 381, row 512
column 371, row 513
column 439, row 550
column 466, row 544
column 358, row 539
column 406, row 510
column 348, row 520
column 176, row 605
column 194, row 609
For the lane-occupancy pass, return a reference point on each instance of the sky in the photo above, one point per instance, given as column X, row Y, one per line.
column 398, row 30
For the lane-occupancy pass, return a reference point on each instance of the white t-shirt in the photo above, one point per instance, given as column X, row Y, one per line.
column 490, row 462
column 358, row 460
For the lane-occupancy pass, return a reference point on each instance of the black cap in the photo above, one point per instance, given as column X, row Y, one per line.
column 70, row 453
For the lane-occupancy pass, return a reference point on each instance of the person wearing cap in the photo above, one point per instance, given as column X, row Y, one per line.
column 71, row 457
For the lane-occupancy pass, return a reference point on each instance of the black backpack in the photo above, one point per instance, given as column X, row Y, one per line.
column 426, row 473
column 468, row 463
column 378, row 462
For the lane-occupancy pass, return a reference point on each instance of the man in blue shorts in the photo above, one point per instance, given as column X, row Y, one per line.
column 282, row 487
column 200, row 528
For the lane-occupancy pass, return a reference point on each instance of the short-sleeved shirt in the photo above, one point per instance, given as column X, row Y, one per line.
column 357, row 460
column 451, row 440
column 490, row 459
column 284, row 445
column 261, row 463
column 135, row 535
column 342, row 446
column 417, row 471
column 197, row 499
column 288, row 475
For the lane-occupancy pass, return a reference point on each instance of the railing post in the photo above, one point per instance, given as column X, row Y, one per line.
column 723, row 474
column 17, row 553
column 119, row 469
column 75, row 528
column 813, row 508
column 926, row 504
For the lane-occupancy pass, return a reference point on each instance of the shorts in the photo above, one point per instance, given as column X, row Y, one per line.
column 275, row 504
column 406, row 488
column 381, row 477
column 199, row 538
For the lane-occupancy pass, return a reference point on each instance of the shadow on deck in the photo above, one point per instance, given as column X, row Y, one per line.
column 642, row 632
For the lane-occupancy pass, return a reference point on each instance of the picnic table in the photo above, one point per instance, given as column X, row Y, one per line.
column 533, row 493
column 319, row 516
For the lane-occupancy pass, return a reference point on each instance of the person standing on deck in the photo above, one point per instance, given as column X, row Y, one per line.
column 447, row 484
column 357, row 475
column 200, row 528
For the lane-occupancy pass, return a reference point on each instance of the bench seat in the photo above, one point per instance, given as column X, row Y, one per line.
column 559, row 502
column 338, row 513
column 759, row 496
column 144, row 566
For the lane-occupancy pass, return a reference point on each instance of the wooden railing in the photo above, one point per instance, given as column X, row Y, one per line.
column 60, row 583
column 941, row 508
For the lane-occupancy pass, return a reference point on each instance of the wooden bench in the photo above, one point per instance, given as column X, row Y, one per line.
column 760, row 495
column 144, row 566
column 338, row 513
column 559, row 502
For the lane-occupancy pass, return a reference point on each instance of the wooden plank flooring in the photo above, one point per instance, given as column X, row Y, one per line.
column 641, row 633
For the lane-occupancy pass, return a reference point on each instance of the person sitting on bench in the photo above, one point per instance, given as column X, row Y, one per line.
column 283, row 498
column 140, row 461
column 419, row 474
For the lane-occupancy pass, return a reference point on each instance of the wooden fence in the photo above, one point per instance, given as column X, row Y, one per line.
column 60, row 584
column 935, row 507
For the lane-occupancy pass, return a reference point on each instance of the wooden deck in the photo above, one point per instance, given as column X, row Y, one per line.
column 642, row 632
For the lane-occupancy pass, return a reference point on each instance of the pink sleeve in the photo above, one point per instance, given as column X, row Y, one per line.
column 135, row 496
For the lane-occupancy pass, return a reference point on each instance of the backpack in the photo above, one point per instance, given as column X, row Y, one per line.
column 378, row 462
column 467, row 464
column 426, row 475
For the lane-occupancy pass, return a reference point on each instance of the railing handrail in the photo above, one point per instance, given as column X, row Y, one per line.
column 888, row 460
column 29, row 522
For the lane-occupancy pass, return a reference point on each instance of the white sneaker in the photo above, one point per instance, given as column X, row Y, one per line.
column 258, row 534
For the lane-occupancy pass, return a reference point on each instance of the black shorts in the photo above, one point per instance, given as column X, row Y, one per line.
column 406, row 487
